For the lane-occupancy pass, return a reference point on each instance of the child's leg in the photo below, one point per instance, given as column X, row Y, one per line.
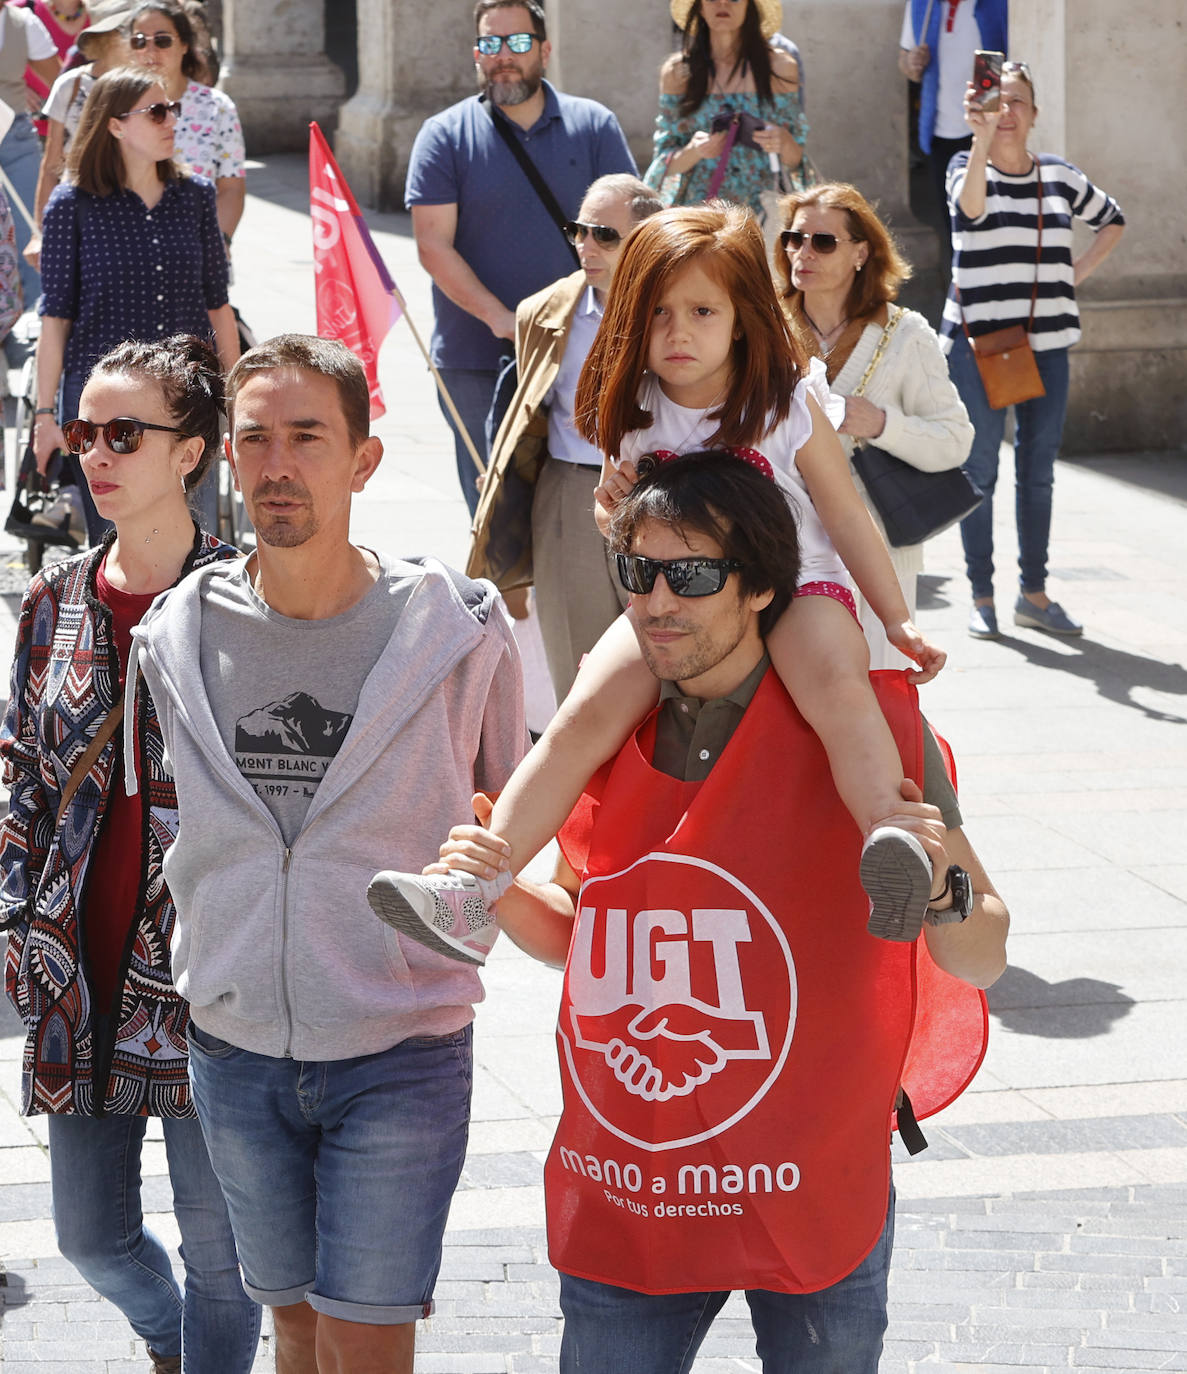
column 820, row 654
column 611, row 694
column 452, row 913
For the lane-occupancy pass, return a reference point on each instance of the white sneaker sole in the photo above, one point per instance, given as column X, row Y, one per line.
column 896, row 874
column 412, row 915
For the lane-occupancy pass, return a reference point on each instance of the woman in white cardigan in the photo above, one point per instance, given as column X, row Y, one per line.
column 839, row 272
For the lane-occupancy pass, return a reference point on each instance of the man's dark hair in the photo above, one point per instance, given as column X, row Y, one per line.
column 533, row 8
column 307, row 353
column 715, row 494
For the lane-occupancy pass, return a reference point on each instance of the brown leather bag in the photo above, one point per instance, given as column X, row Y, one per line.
column 1004, row 357
column 1007, row 366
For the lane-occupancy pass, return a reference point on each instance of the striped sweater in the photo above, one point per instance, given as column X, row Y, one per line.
column 993, row 257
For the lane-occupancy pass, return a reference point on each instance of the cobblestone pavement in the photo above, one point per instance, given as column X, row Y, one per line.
column 1046, row 1226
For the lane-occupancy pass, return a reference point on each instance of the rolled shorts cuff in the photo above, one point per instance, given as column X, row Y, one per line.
column 368, row 1313
column 278, row 1297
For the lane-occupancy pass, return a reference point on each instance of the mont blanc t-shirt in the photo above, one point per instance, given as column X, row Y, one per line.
column 284, row 692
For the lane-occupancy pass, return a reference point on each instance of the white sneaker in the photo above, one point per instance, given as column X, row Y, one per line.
column 896, row 874
column 445, row 912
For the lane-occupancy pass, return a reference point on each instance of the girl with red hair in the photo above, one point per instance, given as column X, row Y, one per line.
column 693, row 353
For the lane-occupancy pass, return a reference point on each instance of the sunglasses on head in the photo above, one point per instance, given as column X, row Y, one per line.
column 140, row 41
column 491, row 44
column 794, row 240
column 684, row 576
column 575, row 232
column 159, row 111
column 122, row 435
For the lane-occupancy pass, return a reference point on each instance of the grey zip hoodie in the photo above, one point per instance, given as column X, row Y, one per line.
column 276, row 948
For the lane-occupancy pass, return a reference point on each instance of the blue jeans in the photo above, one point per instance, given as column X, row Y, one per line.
column 839, row 1330
column 1039, row 432
column 338, row 1173
column 472, row 390
column 20, row 156
column 95, row 1176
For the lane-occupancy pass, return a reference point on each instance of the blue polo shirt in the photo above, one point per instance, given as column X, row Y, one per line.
column 503, row 232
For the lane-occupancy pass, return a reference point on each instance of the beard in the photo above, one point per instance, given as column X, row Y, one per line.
column 288, row 531
column 509, row 88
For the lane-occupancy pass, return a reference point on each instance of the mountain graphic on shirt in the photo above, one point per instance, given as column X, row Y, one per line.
column 297, row 724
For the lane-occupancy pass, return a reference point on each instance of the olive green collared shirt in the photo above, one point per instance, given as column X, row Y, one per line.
column 690, row 735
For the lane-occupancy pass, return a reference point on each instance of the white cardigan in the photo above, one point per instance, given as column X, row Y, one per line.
column 926, row 426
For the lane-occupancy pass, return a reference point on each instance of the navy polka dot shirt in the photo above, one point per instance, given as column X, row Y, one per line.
column 121, row 271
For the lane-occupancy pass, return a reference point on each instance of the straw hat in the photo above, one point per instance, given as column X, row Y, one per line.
column 770, row 14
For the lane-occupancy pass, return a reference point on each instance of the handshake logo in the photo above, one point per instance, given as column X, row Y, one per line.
column 681, row 1000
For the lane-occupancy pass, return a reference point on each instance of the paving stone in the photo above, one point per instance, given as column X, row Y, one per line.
column 1064, row 1137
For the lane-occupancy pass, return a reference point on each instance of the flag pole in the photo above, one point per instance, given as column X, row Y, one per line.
column 441, row 387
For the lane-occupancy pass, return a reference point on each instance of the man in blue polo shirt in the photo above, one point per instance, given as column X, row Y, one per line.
column 482, row 232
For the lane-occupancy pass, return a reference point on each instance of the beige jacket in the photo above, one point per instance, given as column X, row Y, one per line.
column 501, row 536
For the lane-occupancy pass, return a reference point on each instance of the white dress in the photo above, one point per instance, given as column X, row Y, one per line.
column 679, row 429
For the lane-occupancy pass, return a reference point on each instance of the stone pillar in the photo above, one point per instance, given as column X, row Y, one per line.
column 414, row 59
column 276, row 71
column 1109, row 86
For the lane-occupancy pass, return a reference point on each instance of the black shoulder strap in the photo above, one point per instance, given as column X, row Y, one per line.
column 530, row 170
column 908, row 1128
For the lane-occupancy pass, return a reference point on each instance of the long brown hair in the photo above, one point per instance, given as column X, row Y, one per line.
column 885, row 268
column 754, row 53
column 725, row 242
column 95, row 163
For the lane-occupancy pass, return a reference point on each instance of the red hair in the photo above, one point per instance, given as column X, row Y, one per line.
column 726, row 243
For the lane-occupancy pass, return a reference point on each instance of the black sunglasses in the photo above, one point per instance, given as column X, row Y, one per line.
column 491, row 44
column 140, row 41
column 122, row 435
column 158, row 112
column 575, row 232
column 821, row 243
column 684, row 576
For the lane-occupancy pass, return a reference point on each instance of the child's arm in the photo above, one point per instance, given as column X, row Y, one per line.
column 612, row 693
column 615, row 483
column 855, row 537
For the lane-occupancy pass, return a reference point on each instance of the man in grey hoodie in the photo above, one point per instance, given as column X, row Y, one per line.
column 322, row 704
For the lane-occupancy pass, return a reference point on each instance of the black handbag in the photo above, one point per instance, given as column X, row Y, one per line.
column 912, row 504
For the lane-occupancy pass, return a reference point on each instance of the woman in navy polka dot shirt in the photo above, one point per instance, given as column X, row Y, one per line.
column 131, row 250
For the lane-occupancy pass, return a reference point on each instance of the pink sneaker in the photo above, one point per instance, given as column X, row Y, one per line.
column 446, row 912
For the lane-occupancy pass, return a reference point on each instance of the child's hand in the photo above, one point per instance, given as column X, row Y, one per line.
column 907, row 640
column 617, row 486
column 472, row 848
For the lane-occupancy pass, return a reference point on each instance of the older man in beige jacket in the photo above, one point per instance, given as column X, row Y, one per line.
column 535, row 520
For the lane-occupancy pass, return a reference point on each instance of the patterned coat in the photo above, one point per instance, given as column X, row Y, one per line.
column 65, row 679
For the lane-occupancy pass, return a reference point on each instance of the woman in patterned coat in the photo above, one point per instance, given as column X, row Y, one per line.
column 82, row 893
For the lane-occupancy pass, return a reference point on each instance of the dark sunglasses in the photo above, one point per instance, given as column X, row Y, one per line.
column 491, row 44
column 122, row 435
column 684, row 576
column 823, row 244
column 158, row 112
column 575, row 232
column 140, row 41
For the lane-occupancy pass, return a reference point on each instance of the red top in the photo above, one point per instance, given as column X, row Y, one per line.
column 114, row 877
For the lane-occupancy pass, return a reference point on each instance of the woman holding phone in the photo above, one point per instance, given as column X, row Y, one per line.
column 1012, row 213
column 729, row 106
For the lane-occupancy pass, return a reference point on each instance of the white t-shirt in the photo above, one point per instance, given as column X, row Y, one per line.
column 681, row 430
column 66, row 98
column 955, row 57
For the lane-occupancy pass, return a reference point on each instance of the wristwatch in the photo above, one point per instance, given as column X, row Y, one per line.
column 960, row 885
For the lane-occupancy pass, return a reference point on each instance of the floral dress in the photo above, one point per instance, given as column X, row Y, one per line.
column 208, row 136
column 748, row 172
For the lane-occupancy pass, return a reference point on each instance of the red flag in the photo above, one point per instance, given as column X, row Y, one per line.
column 357, row 301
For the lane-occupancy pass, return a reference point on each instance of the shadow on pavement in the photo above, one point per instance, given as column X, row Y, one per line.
column 1116, row 672
column 1164, row 473
column 13, row 1292
column 1074, row 1009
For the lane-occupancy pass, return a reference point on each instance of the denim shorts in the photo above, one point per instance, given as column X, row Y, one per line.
column 338, row 1175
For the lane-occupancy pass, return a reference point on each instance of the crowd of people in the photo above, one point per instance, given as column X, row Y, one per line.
column 224, row 767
